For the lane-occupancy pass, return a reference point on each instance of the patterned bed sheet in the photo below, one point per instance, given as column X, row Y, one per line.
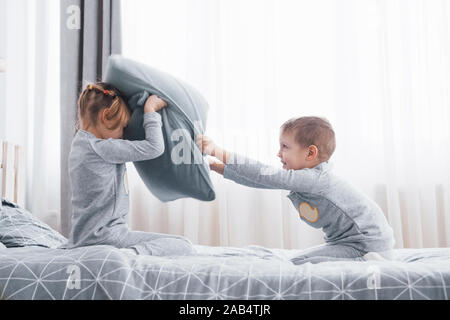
column 253, row 272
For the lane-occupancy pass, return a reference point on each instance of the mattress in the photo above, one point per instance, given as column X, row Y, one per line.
column 252, row 272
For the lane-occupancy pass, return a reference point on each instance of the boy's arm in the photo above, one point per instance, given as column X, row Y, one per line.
column 243, row 170
column 121, row 151
column 220, row 168
column 254, row 174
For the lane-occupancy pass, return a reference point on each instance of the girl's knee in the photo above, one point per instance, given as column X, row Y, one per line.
column 181, row 238
column 166, row 247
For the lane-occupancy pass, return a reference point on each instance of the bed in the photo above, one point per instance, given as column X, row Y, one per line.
column 33, row 268
column 253, row 272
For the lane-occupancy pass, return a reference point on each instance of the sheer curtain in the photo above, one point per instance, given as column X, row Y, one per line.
column 31, row 111
column 378, row 70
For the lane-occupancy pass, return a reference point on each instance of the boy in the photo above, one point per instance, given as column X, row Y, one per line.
column 354, row 226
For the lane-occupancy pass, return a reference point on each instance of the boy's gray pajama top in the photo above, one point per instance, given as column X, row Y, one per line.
column 353, row 224
column 100, row 200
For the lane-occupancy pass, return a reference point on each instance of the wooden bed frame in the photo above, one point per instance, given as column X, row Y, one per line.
column 11, row 173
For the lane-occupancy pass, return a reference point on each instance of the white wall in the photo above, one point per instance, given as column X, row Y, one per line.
column 16, row 85
column 30, row 98
column 2, row 75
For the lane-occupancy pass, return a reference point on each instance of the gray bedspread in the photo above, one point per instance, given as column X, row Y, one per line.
column 104, row 272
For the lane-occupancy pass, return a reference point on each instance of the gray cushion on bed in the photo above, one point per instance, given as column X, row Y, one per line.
column 184, row 117
column 18, row 228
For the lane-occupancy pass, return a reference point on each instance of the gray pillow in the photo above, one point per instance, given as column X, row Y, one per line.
column 181, row 171
column 2, row 246
column 18, row 228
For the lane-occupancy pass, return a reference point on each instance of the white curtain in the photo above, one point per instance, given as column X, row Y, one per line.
column 379, row 70
column 31, row 116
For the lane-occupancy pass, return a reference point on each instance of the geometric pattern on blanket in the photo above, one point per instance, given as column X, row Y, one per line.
column 105, row 272
column 19, row 228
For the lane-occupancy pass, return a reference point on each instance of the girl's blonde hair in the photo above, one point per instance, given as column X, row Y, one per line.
column 97, row 97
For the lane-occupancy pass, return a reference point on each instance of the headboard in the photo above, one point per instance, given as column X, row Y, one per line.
column 12, row 178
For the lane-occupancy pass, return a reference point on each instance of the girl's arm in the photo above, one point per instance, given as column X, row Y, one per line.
column 121, row 151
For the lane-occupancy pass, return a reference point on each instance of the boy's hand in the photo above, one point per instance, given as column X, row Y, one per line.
column 154, row 103
column 216, row 165
column 205, row 144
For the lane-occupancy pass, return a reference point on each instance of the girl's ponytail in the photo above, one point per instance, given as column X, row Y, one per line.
column 97, row 97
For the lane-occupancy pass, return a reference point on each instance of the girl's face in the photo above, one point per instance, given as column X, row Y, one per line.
column 292, row 154
column 102, row 131
column 107, row 133
column 114, row 133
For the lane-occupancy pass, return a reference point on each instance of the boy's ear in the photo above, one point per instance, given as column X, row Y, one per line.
column 313, row 152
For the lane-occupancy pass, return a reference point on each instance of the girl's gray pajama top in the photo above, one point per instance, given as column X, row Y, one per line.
column 100, row 200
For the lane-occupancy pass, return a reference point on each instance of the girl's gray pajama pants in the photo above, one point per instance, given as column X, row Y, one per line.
column 155, row 244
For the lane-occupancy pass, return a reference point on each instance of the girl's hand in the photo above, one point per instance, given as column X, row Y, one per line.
column 205, row 144
column 216, row 165
column 154, row 103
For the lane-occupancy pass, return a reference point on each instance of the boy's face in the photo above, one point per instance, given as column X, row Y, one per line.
column 292, row 154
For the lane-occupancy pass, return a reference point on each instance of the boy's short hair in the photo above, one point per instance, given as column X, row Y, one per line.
column 313, row 131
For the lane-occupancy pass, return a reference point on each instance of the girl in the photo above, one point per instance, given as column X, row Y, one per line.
column 100, row 200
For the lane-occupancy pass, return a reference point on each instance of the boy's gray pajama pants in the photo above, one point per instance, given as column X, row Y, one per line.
column 336, row 252
column 328, row 252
